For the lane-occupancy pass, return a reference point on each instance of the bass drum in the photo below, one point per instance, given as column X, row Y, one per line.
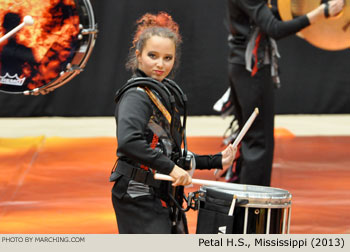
column 42, row 57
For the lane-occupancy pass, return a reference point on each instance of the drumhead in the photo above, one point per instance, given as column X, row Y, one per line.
column 256, row 196
column 49, row 53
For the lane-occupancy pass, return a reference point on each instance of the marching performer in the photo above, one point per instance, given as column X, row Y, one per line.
column 252, row 72
column 150, row 135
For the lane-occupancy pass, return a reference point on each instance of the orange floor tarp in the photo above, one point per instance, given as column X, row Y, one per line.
column 60, row 185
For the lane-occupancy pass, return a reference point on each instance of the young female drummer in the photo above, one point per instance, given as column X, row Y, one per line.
column 150, row 134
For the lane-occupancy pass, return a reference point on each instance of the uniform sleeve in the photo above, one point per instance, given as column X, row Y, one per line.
column 208, row 161
column 132, row 115
column 260, row 13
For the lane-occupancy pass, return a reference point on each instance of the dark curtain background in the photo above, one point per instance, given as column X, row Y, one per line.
column 313, row 80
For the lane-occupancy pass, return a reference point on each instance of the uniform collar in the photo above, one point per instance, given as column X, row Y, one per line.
column 139, row 73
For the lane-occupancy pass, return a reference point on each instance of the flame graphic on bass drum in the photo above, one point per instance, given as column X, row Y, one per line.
column 49, row 53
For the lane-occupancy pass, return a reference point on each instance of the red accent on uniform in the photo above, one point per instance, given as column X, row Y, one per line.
column 145, row 167
column 163, row 203
column 153, row 145
column 238, row 153
column 255, row 53
column 155, row 140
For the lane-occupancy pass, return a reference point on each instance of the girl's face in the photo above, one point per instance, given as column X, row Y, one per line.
column 157, row 57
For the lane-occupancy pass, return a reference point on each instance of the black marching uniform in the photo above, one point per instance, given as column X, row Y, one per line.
column 147, row 142
column 253, row 28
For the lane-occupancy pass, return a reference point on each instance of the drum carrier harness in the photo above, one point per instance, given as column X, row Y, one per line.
column 170, row 93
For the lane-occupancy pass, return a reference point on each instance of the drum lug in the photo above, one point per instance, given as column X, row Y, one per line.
column 89, row 31
column 74, row 68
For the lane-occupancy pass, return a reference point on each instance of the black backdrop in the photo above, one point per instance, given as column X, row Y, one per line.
column 313, row 80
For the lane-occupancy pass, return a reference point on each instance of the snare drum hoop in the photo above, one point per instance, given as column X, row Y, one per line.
column 270, row 198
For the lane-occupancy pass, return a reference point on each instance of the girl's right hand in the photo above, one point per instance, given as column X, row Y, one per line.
column 181, row 177
column 335, row 7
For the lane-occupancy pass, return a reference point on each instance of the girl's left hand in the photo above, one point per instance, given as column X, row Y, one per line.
column 228, row 155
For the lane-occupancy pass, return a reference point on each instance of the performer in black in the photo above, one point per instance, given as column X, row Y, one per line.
column 150, row 135
column 252, row 72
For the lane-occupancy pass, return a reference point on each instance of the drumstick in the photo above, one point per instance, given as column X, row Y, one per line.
column 27, row 20
column 224, row 185
column 243, row 131
column 246, row 127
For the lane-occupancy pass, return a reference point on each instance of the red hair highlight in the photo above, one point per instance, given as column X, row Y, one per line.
column 162, row 19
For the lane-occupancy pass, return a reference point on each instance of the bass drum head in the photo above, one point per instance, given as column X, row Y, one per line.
column 47, row 54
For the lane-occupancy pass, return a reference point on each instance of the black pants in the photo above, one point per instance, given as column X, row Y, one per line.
column 141, row 215
column 258, row 144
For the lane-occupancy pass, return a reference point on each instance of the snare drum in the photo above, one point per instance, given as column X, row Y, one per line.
column 246, row 209
column 48, row 54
